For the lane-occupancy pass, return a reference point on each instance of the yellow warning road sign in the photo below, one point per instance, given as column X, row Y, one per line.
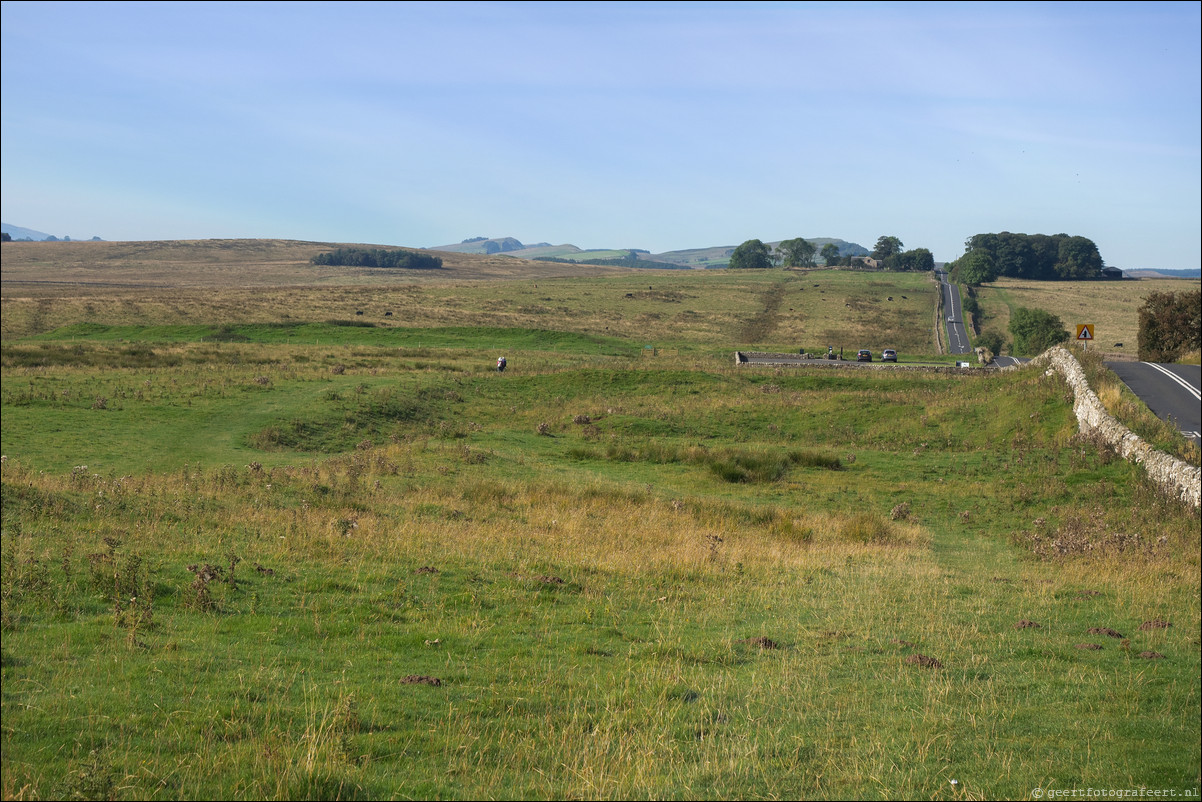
column 1085, row 332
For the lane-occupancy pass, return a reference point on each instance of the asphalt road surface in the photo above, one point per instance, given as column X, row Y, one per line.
column 957, row 335
column 1171, row 391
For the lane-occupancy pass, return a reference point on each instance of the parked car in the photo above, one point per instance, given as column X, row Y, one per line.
column 889, row 355
column 864, row 355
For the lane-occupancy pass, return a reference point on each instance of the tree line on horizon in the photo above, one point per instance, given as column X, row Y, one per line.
column 1046, row 257
column 987, row 257
column 799, row 252
column 377, row 257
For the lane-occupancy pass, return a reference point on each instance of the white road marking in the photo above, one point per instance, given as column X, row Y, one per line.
column 1178, row 379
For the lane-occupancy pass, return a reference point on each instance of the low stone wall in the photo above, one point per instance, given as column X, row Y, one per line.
column 767, row 359
column 1179, row 478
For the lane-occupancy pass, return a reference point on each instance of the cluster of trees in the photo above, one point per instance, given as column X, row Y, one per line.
column 755, row 255
column 1033, row 256
column 1170, row 325
column 378, row 257
column 1035, row 331
column 798, row 252
column 889, row 253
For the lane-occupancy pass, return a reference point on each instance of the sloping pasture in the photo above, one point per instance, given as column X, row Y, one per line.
column 356, row 562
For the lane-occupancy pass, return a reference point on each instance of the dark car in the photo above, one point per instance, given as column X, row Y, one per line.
column 864, row 355
column 889, row 355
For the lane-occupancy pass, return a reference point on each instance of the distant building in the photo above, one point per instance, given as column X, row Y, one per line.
column 866, row 261
column 1110, row 273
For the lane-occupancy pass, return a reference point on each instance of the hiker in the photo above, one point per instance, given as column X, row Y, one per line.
column 500, row 364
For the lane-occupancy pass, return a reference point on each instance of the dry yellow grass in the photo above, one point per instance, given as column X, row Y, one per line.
column 52, row 284
column 1111, row 306
column 42, row 268
column 213, row 282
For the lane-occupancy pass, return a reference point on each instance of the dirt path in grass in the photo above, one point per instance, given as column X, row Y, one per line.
column 758, row 328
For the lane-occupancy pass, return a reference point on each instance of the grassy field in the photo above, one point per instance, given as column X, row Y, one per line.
column 170, row 284
column 1112, row 306
column 256, row 545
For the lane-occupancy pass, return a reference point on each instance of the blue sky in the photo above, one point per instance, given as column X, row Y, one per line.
column 636, row 125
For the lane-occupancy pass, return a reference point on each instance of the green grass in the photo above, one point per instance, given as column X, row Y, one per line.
column 331, row 333
column 631, row 577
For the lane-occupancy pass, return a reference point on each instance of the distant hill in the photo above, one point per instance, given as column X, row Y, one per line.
column 486, row 245
column 21, row 233
column 1188, row 273
column 696, row 258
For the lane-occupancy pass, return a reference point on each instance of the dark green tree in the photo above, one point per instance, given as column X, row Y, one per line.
column 1045, row 252
column 917, row 260
column 1035, row 331
column 1038, row 256
column 830, row 253
column 1014, row 257
column 974, row 269
column 377, row 257
column 1170, row 325
column 886, row 247
column 796, row 252
column 993, row 341
column 751, row 255
column 1079, row 259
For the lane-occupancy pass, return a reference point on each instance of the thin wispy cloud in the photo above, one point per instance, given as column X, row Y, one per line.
column 652, row 125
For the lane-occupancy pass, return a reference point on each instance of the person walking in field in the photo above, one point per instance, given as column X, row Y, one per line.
column 500, row 364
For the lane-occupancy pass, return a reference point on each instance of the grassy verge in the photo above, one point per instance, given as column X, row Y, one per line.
column 1117, row 303
column 1133, row 413
column 356, row 571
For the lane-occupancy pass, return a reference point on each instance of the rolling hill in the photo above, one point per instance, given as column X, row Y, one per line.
column 22, row 233
column 698, row 258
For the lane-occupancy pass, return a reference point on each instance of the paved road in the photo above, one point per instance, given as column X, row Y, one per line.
column 957, row 335
column 1172, row 392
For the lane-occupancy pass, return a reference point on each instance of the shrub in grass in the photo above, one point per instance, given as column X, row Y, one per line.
column 750, row 466
column 736, row 466
column 867, row 527
column 731, row 470
column 225, row 334
column 359, row 324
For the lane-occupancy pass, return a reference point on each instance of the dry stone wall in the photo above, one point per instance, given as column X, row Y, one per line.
column 1177, row 477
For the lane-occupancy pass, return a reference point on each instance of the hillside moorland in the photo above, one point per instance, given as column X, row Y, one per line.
column 278, row 531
